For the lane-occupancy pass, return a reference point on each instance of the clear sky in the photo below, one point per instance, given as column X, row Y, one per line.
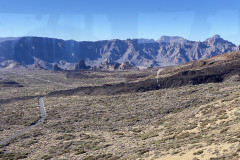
column 92, row 20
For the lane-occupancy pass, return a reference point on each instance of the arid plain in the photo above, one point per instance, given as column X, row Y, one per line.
column 88, row 117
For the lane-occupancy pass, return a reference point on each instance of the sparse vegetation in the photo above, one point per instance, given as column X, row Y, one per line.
column 196, row 120
column 12, row 156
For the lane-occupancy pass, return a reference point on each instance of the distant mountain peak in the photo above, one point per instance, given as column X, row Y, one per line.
column 216, row 39
column 142, row 40
column 216, row 36
column 172, row 39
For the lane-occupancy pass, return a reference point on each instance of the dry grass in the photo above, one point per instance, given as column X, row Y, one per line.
column 200, row 122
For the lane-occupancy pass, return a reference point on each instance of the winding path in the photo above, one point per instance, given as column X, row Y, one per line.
column 43, row 115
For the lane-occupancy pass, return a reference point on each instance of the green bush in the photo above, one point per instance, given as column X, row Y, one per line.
column 47, row 157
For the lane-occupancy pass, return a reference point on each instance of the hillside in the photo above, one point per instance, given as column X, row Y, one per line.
column 191, row 113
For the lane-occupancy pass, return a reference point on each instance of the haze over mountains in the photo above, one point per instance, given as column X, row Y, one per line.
column 166, row 51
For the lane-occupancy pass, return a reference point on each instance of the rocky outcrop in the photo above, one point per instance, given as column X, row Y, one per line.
column 109, row 66
column 10, row 64
column 81, row 66
column 125, row 66
column 37, row 66
column 57, row 68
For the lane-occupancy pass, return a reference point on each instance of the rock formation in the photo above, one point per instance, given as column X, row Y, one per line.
column 81, row 66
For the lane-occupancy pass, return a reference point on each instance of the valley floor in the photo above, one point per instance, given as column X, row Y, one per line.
column 190, row 122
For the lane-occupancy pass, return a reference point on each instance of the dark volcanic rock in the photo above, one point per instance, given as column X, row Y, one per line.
column 10, row 84
column 57, row 68
column 110, row 66
column 37, row 66
column 81, row 66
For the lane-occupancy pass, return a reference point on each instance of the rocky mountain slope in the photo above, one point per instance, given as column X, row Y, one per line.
column 167, row 51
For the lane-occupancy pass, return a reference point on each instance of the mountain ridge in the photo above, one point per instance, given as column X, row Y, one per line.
column 167, row 51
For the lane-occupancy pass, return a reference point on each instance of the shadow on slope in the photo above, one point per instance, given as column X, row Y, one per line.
column 213, row 72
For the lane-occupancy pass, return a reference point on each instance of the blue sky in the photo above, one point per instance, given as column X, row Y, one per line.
column 93, row 20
